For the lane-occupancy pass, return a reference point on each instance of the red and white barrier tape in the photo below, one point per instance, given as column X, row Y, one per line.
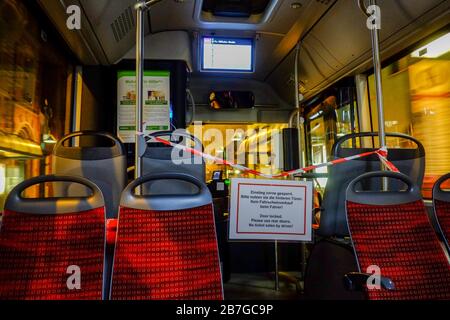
column 382, row 155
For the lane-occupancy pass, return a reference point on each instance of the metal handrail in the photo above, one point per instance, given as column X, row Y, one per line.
column 140, row 8
column 363, row 7
column 377, row 72
column 378, row 80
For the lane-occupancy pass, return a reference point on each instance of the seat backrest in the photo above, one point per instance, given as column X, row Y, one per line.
column 410, row 161
column 105, row 166
column 46, row 243
column 392, row 231
column 160, row 158
column 441, row 205
column 166, row 246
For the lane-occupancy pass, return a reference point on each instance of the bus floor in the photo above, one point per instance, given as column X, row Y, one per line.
column 260, row 286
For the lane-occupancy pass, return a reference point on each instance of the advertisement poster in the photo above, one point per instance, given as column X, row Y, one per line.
column 156, row 103
column 263, row 210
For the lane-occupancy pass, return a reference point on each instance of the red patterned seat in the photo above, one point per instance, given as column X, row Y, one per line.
column 443, row 214
column 441, row 203
column 391, row 230
column 39, row 249
column 166, row 254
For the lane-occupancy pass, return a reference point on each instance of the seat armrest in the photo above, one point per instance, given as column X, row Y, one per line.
column 358, row 281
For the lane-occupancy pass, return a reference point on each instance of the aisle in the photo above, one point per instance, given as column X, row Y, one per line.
column 258, row 286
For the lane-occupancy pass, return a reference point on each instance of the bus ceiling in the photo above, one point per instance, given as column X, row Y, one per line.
column 334, row 38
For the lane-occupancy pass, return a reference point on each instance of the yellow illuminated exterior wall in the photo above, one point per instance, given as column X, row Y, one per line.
column 416, row 94
column 255, row 144
column 33, row 76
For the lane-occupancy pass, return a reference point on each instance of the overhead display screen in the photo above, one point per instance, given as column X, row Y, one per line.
column 227, row 54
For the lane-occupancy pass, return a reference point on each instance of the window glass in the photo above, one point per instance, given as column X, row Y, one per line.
column 416, row 93
column 319, row 152
column 256, row 146
column 33, row 80
column 334, row 117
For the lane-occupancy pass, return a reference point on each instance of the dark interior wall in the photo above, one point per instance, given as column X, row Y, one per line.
column 98, row 104
column 249, row 257
column 99, row 95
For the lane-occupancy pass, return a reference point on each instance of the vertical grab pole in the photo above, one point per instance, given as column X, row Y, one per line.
column 378, row 82
column 374, row 34
column 379, row 89
column 299, row 127
column 297, row 108
column 297, row 52
column 140, row 8
column 296, row 114
column 277, row 271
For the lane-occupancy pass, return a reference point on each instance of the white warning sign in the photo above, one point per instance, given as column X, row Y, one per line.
column 271, row 210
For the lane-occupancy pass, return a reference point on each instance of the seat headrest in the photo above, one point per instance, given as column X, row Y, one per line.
column 17, row 203
column 89, row 153
column 383, row 198
column 438, row 192
column 168, row 202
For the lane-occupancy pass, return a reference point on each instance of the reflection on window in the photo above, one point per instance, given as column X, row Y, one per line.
column 416, row 92
column 346, row 123
column 33, row 75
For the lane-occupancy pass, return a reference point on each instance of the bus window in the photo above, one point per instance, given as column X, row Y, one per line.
column 334, row 117
column 417, row 102
column 33, row 80
column 346, row 121
column 319, row 152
